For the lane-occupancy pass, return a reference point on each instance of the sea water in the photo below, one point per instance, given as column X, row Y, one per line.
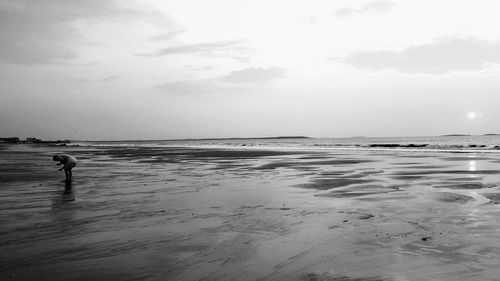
column 464, row 143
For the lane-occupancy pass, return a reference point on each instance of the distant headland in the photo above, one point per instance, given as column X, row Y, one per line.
column 251, row 138
column 465, row 135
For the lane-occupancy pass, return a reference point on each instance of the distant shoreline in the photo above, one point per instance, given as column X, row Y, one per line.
column 255, row 138
column 15, row 140
column 466, row 135
column 204, row 139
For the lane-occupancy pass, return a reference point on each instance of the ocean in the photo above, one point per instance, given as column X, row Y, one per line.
column 452, row 143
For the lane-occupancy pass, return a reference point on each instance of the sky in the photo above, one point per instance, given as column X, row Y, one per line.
column 168, row 69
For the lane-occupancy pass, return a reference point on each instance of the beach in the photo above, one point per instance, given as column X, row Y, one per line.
column 239, row 213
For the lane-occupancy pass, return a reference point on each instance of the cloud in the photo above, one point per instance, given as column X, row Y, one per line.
column 109, row 78
column 220, row 86
column 198, row 87
column 188, row 87
column 39, row 32
column 254, row 74
column 169, row 34
column 82, row 80
column 233, row 49
column 441, row 57
column 375, row 6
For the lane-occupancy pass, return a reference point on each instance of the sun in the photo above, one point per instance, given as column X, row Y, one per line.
column 471, row 115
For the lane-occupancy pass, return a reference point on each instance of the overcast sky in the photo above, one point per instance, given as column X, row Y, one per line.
column 159, row 69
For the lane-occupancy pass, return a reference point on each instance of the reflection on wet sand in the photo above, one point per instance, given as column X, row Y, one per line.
column 189, row 214
column 62, row 201
column 63, row 212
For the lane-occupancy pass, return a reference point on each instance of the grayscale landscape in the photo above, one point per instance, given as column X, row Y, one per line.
column 249, row 140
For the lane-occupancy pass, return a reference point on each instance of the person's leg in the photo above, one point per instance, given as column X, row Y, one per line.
column 70, row 174
column 66, row 172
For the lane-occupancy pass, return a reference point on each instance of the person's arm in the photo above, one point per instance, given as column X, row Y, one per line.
column 61, row 168
column 62, row 160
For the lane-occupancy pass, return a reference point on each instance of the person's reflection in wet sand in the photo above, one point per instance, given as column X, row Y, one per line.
column 67, row 195
column 63, row 209
column 59, row 202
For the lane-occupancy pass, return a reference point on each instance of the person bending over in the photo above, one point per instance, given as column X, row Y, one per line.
column 68, row 162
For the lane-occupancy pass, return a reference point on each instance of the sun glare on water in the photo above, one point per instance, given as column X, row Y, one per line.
column 471, row 115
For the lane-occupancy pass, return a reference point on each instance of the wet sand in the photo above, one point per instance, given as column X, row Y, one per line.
column 136, row 213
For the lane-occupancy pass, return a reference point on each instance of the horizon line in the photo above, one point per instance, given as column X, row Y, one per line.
column 294, row 137
column 266, row 137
